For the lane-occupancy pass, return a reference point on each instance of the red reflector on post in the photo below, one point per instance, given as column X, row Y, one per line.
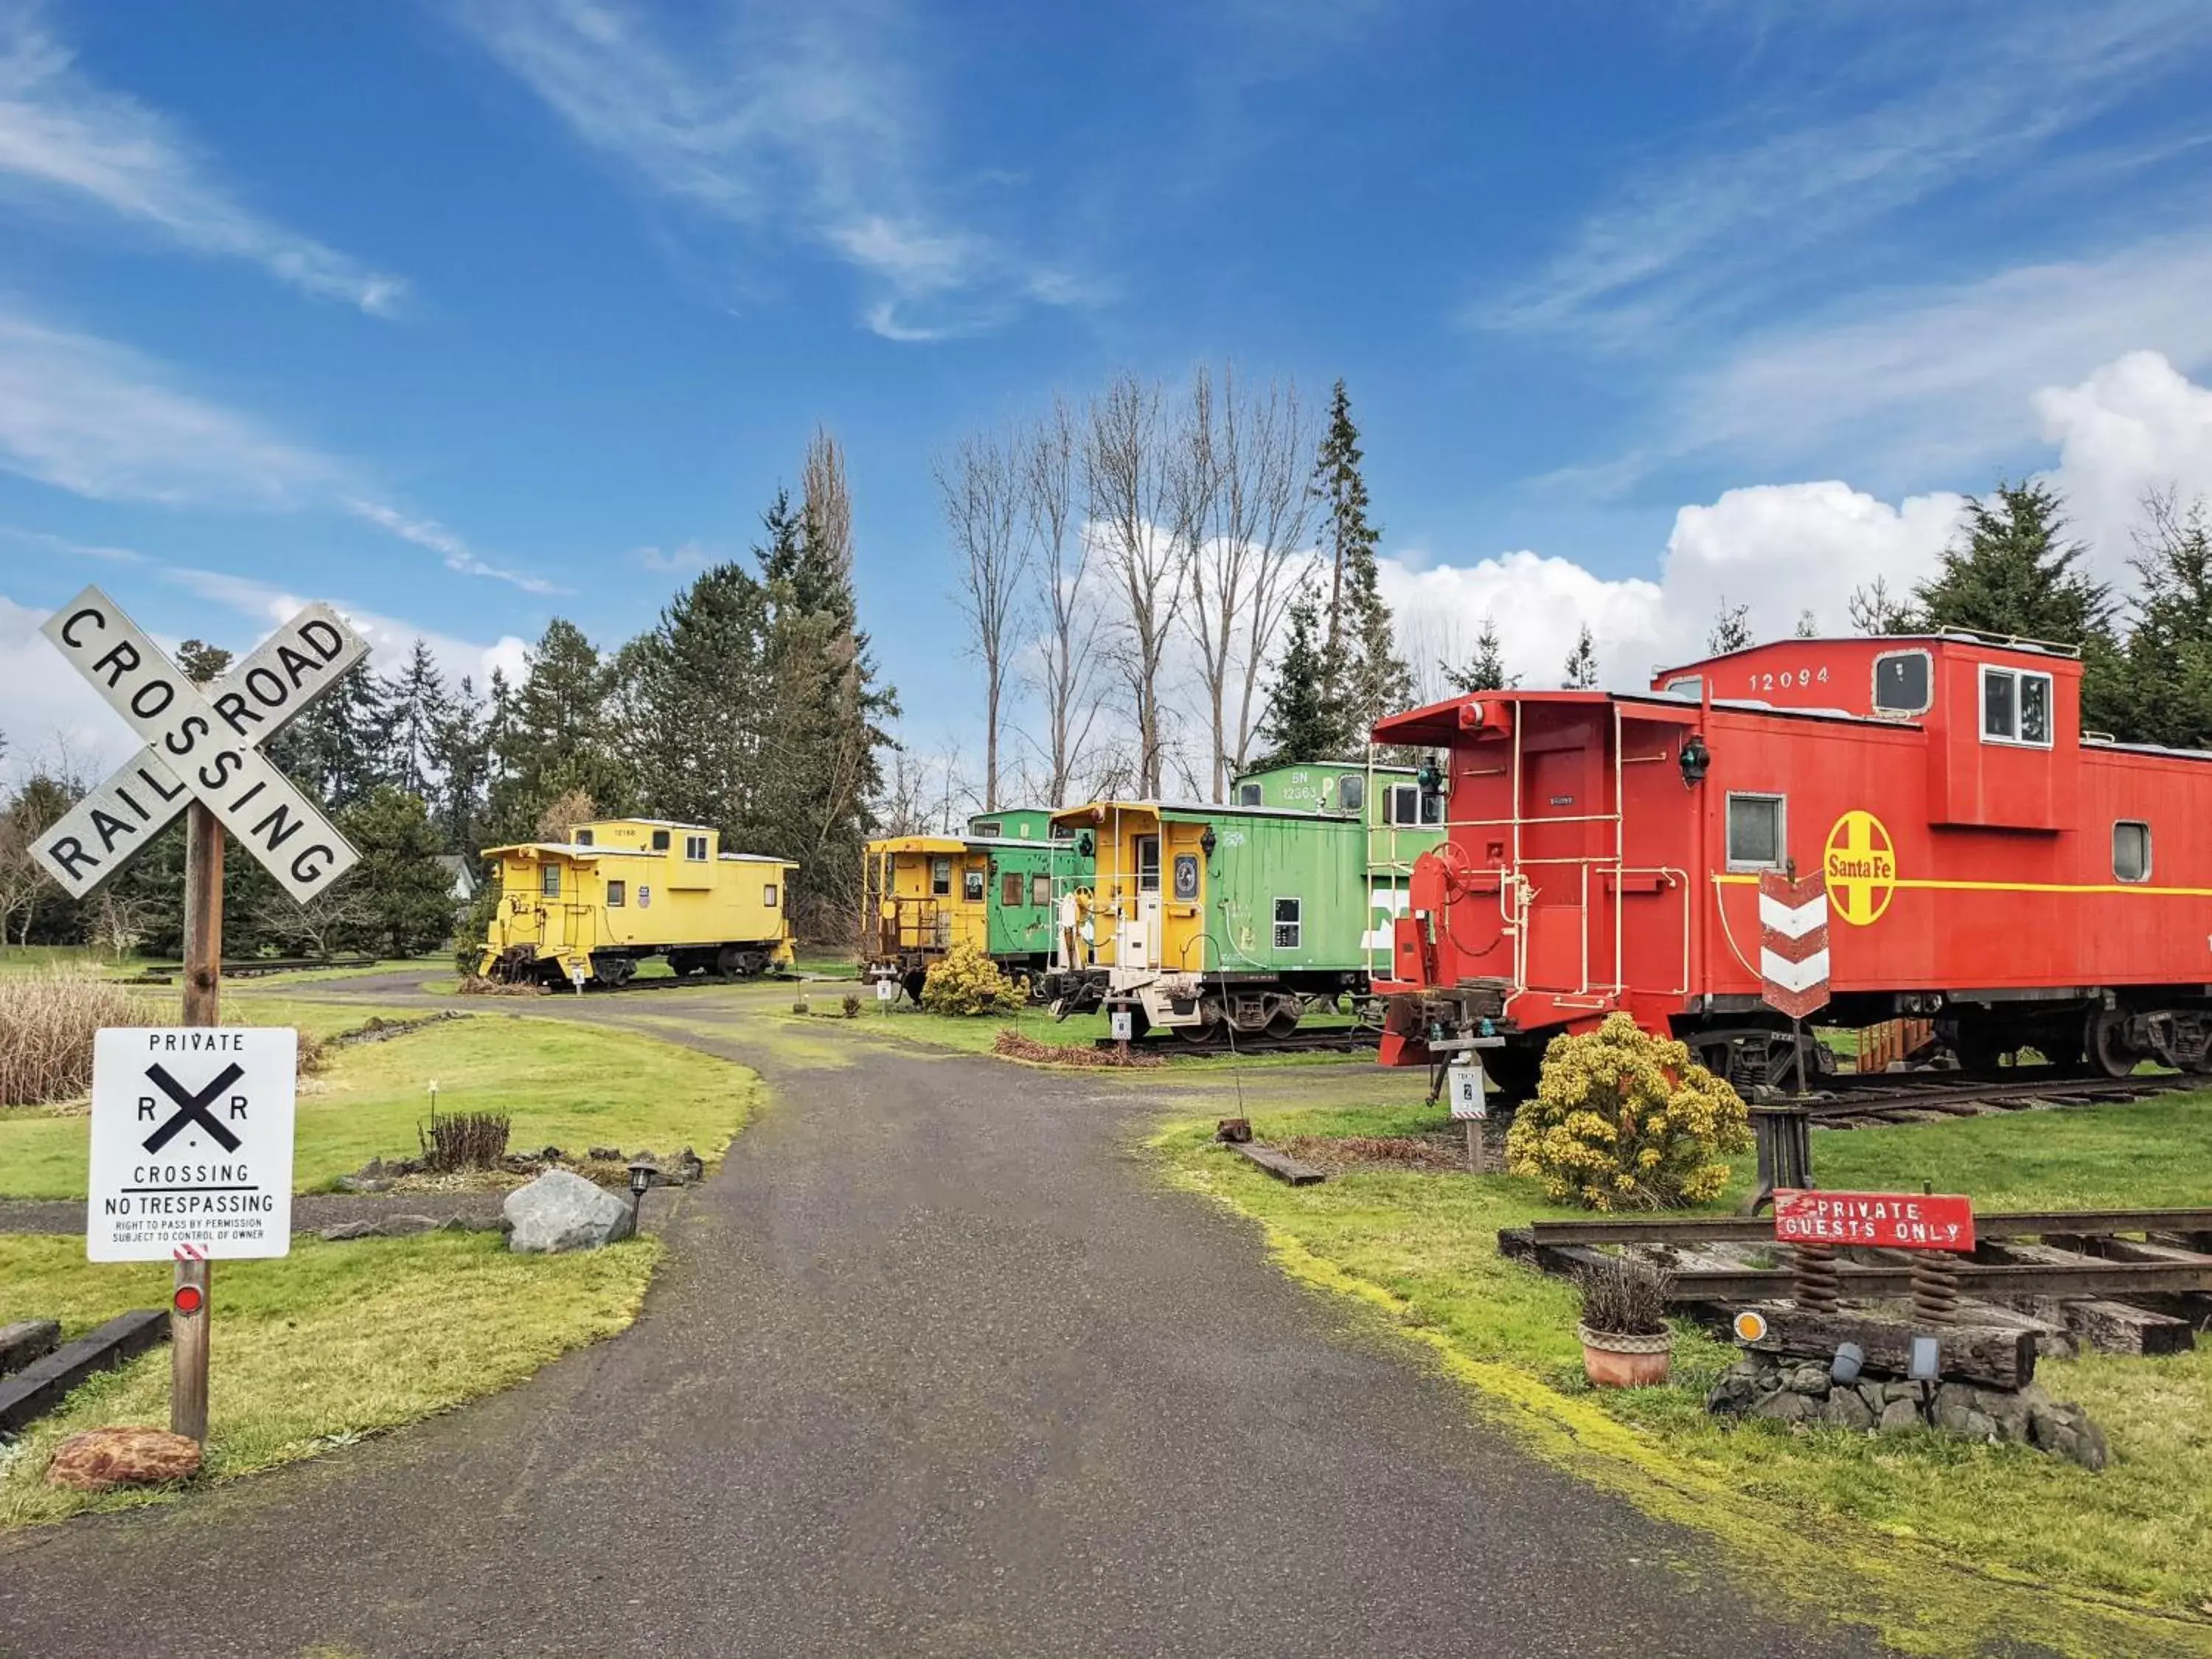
column 187, row 1299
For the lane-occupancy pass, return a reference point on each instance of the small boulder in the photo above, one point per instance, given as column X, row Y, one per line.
column 27, row 1339
column 561, row 1211
column 1846, row 1409
column 1784, row 1406
column 101, row 1458
column 1899, row 1416
column 406, row 1226
column 1811, row 1380
column 683, row 1170
column 349, row 1229
column 605, row 1154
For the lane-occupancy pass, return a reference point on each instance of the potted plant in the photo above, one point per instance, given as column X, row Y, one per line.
column 1626, row 1342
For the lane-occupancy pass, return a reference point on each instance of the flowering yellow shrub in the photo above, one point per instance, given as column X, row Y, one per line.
column 1626, row 1121
column 963, row 980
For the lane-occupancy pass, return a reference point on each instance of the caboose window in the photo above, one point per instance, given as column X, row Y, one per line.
column 549, row 881
column 1248, row 794
column 1289, row 923
column 1351, row 793
column 768, row 896
column 695, row 848
column 1755, row 836
column 2015, row 706
column 2131, row 850
column 1148, row 864
column 941, row 878
column 616, row 892
column 1901, row 682
column 583, row 838
column 1009, row 891
column 1040, row 890
column 660, row 841
column 1405, row 803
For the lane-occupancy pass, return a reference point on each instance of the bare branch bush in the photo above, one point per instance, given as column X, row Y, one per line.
column 1068, row 651
column 985, row 484
column 1127, row 481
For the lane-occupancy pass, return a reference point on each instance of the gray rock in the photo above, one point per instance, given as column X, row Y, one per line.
column 2090, row 1450
column 1810, row 1380
column 1897, row 1416
column 1846, row 1409
column 349, row 1230
column 604, row 1154
column 27, row 1339
column 406, row 1226
column 1784, row 1406
column 1875, row 1395
column 1954, row 1404
column 561, row 1211
column 685, row 1168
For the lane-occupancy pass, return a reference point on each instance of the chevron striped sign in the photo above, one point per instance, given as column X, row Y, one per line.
column 1793, row 943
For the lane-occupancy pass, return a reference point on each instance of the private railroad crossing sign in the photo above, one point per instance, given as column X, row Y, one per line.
column 201, row 742
column 1793, row 943
column 191, row 1143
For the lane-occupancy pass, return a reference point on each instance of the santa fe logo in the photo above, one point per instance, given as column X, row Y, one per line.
column 201, row 744
column 191, row 1143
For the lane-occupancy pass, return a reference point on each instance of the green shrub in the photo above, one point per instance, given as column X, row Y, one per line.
column 1626, row 1121
column 963, row 980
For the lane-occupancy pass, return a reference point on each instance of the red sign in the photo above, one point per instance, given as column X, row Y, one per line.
column 1885, row 1221
column 1793, row 943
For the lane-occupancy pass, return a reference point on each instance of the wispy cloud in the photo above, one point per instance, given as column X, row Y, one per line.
column 98, row 419
column 795, row 120
column 457, row 554
column 67, row 142
column 1863, row 131
column 668, row 561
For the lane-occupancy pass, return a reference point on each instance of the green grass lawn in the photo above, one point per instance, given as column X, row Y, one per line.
column 571, row 1086
column 1928, row 1538
column 976, row 1034
column 331, row 1343
column 34, row 958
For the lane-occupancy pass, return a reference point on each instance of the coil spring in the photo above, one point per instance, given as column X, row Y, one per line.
column 1934, row 1290
column 1820, row 1287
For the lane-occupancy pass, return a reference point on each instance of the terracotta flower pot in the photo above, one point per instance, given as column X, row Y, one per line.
column 1612, row 1359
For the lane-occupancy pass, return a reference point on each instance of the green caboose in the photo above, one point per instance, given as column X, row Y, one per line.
column 1208, row 918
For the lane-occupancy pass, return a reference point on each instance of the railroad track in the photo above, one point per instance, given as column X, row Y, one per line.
column 1852, row 1103
column 1298, row 1043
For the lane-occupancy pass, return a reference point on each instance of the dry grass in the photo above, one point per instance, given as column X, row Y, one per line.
column 47, row 1022
column 1013, row 1045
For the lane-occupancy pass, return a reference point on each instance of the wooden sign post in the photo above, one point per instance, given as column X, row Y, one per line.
column 202, row 757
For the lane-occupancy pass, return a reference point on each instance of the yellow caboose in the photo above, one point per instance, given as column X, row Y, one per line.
column 923, row 894
column 592, row 908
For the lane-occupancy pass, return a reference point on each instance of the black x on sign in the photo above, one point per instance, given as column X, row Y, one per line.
column 191, row 1109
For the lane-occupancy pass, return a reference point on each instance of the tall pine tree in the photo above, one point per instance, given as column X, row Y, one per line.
column 1359, row 648
column 1582, row 663
column 2166, row 670
column 420, row 706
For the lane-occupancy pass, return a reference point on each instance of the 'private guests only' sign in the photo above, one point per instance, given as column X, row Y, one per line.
column 1884, row 1221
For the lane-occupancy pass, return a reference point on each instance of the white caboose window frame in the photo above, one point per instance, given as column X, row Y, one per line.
column 2135, row 831
column 1743, row 862
column 694, row 849
column 549, row 881
column 1290, row 923
column 768, row 896
column 2016, row 681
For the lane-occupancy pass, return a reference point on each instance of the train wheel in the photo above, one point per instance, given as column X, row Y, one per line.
column 1979, row 1048
column 2104, row 1035
column 1283, row 1022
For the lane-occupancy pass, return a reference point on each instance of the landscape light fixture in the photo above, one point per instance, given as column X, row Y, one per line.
column 641, row 1177
column 1844, row 1367
column 1927, row 1360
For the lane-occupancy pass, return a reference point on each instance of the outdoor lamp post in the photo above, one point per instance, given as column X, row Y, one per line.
column 641, row 1177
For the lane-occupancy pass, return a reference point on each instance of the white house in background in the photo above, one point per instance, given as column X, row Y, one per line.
column 464, row 873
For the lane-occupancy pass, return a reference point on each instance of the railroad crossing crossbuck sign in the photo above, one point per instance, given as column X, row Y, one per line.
column 201, row 744
column 191, row 1143
column 1793, row 943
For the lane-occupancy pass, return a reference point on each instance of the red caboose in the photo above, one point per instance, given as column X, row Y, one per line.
column 1986, row 862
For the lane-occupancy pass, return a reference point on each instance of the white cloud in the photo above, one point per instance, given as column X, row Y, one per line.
column 95, row 418
column 66, row 141
column 799, row 119
column 457, row 554
column 2134, row 424
column 691, row 555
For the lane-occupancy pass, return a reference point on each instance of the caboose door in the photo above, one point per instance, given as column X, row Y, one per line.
column 1562, row 779
column 1140, row 945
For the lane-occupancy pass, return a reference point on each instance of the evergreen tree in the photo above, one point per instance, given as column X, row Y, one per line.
column 1731, row 629
column 1875, row 609
column 1582, row 663
column 460, row 755
column 1485, row 670
column 555, row 735
column 1303, row 722
column 421, row 706
column 2017, row 574
column 405, row 893
column 1359, row 647
column 2165, row 672
column 337, row 748
column 695, row 689
column 1808, row 625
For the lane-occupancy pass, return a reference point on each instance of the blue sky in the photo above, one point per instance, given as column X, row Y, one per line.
column 466, row 315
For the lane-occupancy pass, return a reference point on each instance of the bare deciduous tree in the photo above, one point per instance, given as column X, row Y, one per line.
column 1068, row 650
column 985, row 485
column 1126, row 474
column 829, row 504
column 1242, row 508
